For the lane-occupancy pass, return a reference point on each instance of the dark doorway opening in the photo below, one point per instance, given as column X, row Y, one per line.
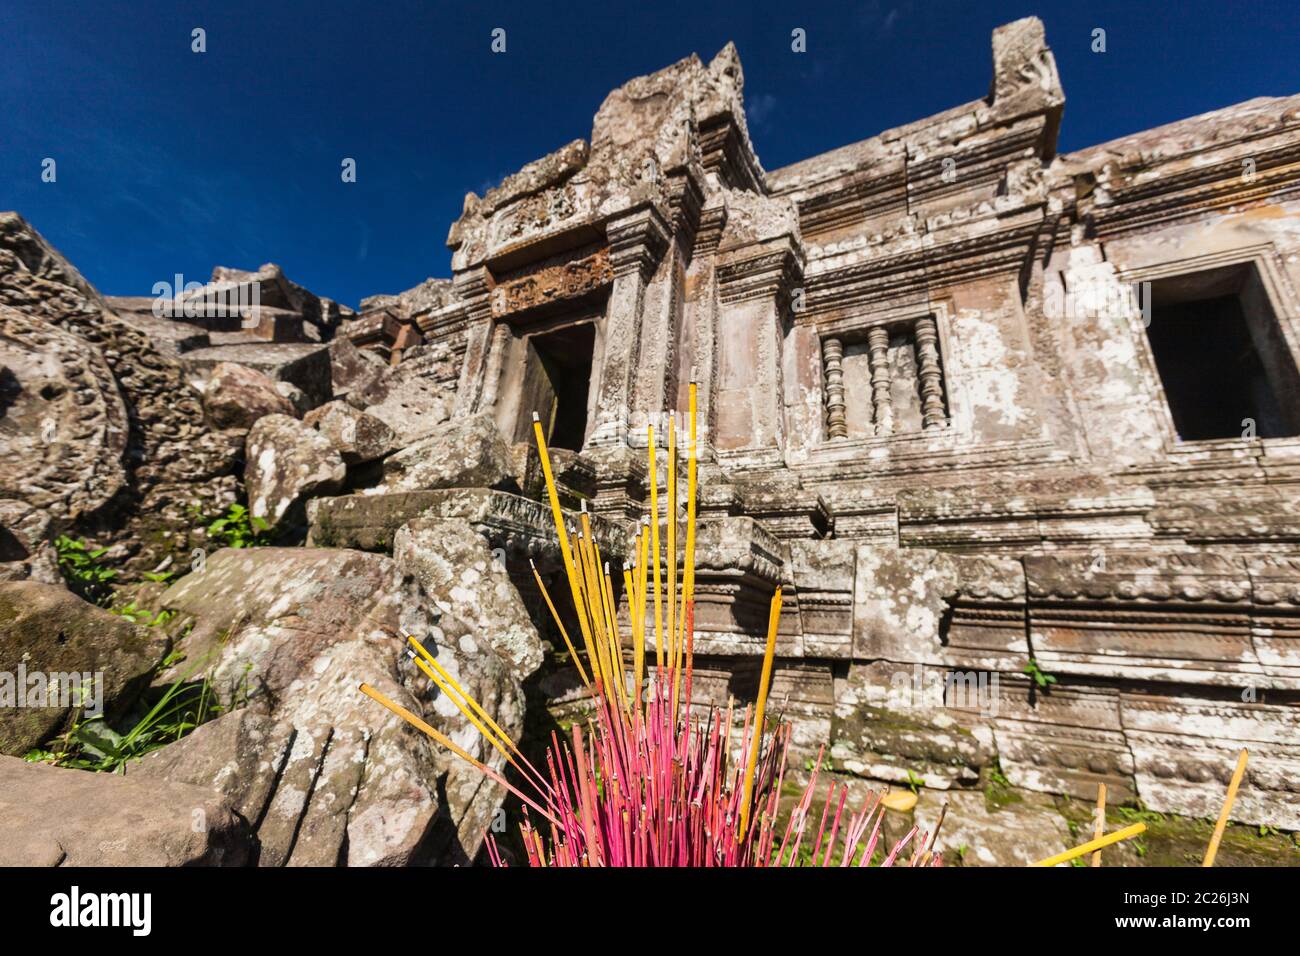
column 1221, row 356
column 565, row 358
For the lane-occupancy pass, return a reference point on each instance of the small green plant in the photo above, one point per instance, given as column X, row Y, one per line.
column 914, row 781
column 86, row 575
column 1266, row 829
column 91, row 744
column 159, row 577
column 238, row 528
column 1040, row 676
column 996, row 776
column 1139, row 814
column 139, row 615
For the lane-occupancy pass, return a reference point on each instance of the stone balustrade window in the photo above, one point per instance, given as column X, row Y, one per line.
column 884, row 380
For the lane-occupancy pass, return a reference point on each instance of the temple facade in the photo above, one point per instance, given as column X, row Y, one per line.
column 1018, row 432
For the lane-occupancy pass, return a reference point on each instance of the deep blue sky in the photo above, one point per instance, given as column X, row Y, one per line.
column 170, row 161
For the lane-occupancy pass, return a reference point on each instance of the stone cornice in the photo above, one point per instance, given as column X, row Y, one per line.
column 637, row 241
column 759, row 270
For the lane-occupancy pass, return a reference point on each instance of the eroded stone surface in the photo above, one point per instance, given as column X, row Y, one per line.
column 468, row 453
column 293, row 632
column 358, row 436
column 453, row 564
column 236, row 397
column 287, row 462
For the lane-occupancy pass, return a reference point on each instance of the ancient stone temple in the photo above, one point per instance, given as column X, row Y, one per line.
column 1017, row 434
column 1018, row 431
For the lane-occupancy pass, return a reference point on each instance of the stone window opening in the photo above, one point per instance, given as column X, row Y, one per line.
column 1221, row 357
column 557, row 384
column 884, row 380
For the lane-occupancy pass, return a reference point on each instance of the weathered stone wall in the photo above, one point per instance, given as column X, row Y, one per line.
column 112, row 441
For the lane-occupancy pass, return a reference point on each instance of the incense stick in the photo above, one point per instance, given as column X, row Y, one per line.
column 1086, row 848
column 1099, row 822
column 1213, row 849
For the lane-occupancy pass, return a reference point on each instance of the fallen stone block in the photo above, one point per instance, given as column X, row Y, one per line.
column 58, row 817
column 288, row 462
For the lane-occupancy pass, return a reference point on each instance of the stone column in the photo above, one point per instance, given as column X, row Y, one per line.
column 472, row 288
column 882, row 405
column 636, row 244
column 754, row 283
column 929, row 374
column 833, row 368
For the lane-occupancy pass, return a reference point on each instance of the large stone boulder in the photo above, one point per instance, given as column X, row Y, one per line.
column 236, row 397
column 57, row 817
column 288, row 462
column 413, row 405
column 290, row 633
column 469, row 453
column 358, row 436
column 351, row 368
column 453, row 564
column 52, row 645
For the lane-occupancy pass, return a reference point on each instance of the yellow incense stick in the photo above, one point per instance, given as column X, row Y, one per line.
column 446, row 676
column 1213, row 849
column 555, row 615
column 1099, row 827
column 671, row 516
column 688, row 575
column 558, row 517
column 420, row 725
column 774, row 618
column 654, row 522
column 446, row 741
column 478, row 724
column 638, row 637
column 1086, row 848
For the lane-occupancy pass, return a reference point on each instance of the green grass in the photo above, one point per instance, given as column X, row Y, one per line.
column 91, row 744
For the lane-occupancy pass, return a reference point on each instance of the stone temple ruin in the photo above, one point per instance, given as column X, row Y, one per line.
column 988, row 413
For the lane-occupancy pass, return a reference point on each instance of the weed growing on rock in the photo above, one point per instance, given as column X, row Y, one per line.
column 236, row 527
column 86, row 575
column 91, row 744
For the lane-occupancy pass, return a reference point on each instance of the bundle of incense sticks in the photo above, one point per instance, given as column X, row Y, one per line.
column 648, row 782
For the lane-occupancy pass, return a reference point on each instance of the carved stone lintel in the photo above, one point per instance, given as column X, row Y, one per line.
column 553, row 282
column 637, row 242
column 833, row 363
column 881, row 401
column 929, row 373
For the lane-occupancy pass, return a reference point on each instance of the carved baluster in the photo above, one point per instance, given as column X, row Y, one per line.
column 929, row 373
column 837, row 425
column 881, row 401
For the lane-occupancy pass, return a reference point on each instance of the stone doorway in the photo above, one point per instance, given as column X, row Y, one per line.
column 556, row 383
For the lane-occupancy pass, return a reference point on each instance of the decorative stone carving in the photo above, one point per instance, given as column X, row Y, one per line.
column 881, row 400
column 832, row 357
column 929, row 373
column 553, row 283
